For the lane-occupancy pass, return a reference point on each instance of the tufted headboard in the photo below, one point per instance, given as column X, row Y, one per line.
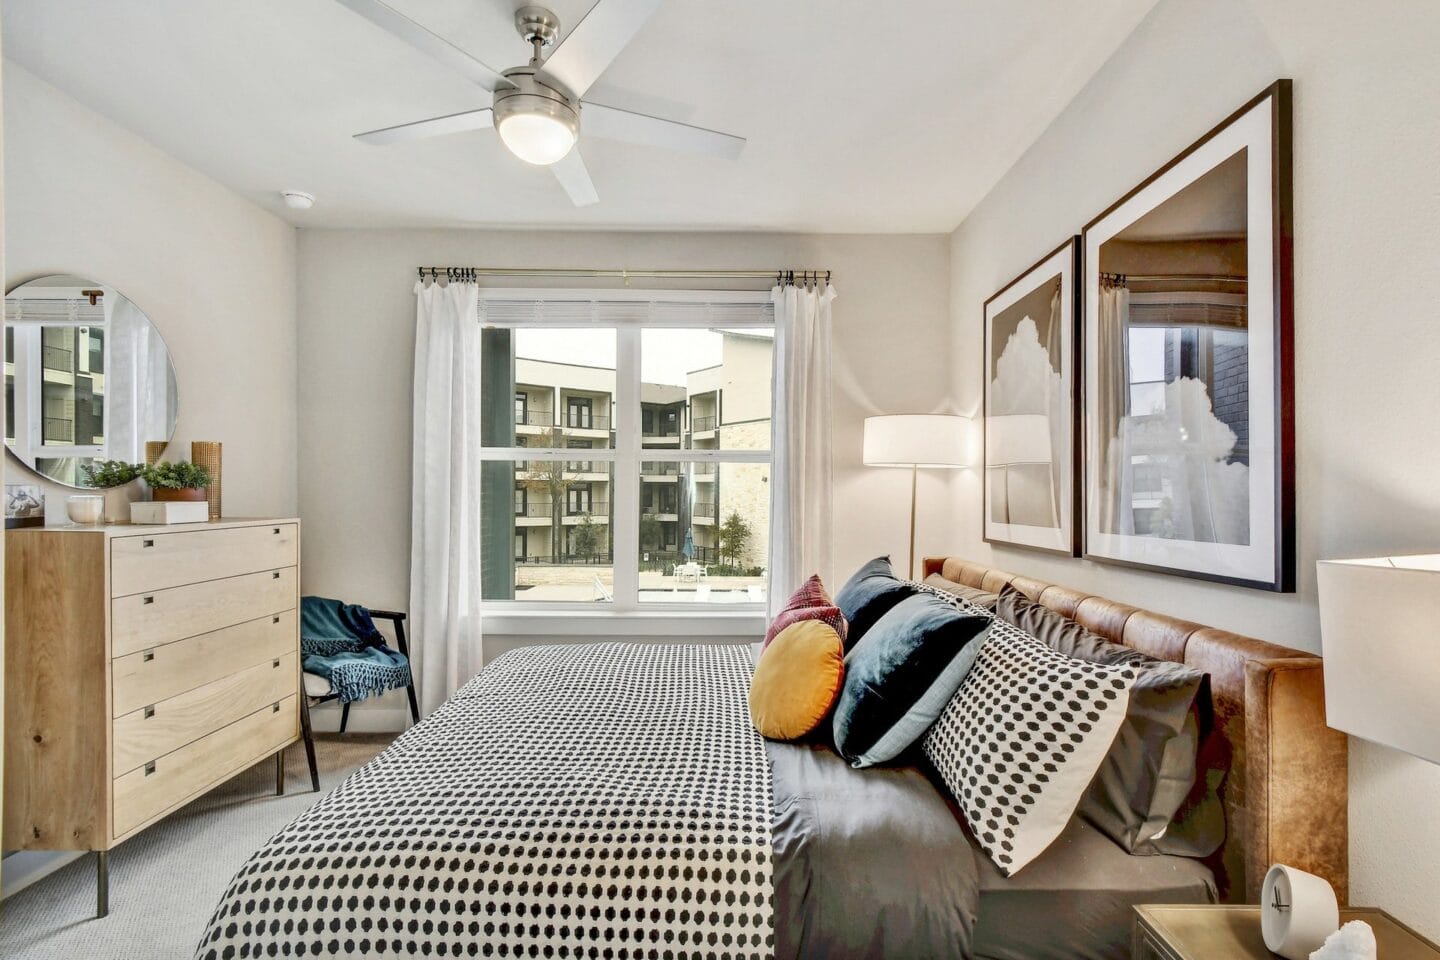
column 1286, row 795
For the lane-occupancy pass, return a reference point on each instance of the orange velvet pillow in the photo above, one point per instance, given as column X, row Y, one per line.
column 797, row 680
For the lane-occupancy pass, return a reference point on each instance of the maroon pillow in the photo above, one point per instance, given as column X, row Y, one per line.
column 810, row 602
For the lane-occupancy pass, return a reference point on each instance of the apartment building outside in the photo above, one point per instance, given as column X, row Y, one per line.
column 563, row 527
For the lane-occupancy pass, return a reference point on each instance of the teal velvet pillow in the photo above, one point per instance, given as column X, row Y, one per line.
column 901, row 674
column 869, row 595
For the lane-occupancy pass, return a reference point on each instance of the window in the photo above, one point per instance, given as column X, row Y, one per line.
column 660, row 511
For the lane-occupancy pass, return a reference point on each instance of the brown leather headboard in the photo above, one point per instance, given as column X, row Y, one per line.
column 1286, row 795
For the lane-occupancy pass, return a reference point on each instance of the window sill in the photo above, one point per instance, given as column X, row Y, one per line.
column 610, row 624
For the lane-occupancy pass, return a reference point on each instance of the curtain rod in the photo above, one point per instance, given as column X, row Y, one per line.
column 470, row 273
column 1174, row 277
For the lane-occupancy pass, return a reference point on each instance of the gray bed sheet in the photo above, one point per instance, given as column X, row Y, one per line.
column 1074, row 901
column 867, row 863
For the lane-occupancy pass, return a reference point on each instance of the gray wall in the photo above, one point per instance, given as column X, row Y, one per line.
column 357, row 323
column 1367, row 278
column 214, row 272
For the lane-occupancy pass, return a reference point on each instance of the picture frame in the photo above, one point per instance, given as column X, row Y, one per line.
column 1030, row 489
column 1188, row 345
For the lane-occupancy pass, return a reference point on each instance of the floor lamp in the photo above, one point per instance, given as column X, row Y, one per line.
column 915, row 441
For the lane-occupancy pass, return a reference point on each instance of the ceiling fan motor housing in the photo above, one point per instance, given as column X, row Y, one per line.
column 531, row 96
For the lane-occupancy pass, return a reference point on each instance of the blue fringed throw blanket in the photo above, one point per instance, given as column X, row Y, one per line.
column 338, row 641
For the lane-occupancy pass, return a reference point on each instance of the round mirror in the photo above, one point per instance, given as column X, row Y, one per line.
column 87, row 377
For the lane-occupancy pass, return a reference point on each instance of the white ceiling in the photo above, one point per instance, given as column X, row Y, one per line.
column 861, row 116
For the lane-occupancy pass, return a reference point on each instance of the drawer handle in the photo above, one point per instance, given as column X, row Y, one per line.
column 150, row 711
column 147, row 656
column 149, row 768
column 147, row 600
column 274, row 708
column 275, row 619
column 275, row 531
column 147, row 543
column 274, row 664
column 275, row 575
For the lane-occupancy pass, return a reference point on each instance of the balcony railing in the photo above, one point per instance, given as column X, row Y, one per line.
column 704, row 469
column 659, row 468
column 542, row 508
column 58, row 358
column 547, row 468
column 585, row 420
column 703, row 509
column 534, row 418
column 701, row 424
column 570, row 419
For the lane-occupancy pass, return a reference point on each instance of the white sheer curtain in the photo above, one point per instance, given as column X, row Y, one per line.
column 800, row 520
column 139, row 386
column 1113, row 351
column 445, row 523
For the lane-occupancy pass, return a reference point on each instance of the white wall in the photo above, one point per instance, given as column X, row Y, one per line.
column 214, row 272
column 1367, row 221
column 357, row 345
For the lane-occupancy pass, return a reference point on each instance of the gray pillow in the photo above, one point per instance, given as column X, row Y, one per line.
column 1145, row 796
column 981, row 598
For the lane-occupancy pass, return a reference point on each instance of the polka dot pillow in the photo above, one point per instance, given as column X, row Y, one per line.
column 1022, row 738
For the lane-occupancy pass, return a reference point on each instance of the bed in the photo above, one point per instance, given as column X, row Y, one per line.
column 613, row 800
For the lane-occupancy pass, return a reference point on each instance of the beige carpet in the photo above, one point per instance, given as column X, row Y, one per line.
column 165, row 883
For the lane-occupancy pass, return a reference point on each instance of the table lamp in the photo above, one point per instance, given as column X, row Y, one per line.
column 915, row 441
column 1379, row 637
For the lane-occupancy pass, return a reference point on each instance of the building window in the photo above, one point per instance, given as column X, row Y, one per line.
column 659, row 511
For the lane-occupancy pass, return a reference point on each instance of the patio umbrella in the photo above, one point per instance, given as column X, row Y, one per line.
column 687, row 549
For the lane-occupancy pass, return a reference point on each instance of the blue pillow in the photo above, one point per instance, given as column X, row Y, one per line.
column 870, row 594
column 900, row 676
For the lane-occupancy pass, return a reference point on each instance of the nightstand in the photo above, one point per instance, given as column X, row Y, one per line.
column 1202, row 932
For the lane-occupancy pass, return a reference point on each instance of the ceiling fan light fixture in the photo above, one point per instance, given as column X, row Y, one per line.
column 537, row 138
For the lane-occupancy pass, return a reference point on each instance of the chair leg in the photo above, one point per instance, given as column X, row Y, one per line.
column 344, row 716
column 309, row 742
column 414, row 707
column 280, row 773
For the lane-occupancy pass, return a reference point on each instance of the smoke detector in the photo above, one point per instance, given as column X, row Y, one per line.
column 298, row 199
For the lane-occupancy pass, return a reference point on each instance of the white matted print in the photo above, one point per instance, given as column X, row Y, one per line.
column 1029, row 407
column 1188, row 426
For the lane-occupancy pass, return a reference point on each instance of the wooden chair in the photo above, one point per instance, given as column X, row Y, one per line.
column 317, row 690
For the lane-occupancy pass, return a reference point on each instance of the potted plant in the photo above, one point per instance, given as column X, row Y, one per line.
column 177, row 481
column 121, row 482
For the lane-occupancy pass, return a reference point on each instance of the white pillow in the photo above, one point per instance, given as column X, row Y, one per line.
column 1021, row 740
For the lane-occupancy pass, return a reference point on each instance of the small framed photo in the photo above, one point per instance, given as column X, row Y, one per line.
column 1031, row 496
column 24, row 505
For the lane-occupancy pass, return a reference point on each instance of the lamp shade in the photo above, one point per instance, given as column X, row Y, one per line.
column 915, row 440
column 1380, row 636
column 1017, row 438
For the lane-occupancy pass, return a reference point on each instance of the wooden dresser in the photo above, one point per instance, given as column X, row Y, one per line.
column 144, row 665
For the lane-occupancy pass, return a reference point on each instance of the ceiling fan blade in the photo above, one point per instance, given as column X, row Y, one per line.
column 596, row 41
column 612, row 123
column 573, row 176
column 394, row 22
column 434, row 127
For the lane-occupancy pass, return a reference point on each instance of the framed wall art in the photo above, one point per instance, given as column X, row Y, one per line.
column 1029, row 407
column 1188, row 402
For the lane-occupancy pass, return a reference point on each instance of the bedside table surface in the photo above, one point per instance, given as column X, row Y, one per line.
column 1198, row 932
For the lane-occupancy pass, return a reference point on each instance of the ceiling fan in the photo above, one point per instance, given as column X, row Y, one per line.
column 536, row 108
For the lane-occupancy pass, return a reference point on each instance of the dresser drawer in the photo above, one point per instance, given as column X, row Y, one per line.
column 160, row 560
column 146, row 620
column 153, row 731
column 149, row 791
column 158, row 673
